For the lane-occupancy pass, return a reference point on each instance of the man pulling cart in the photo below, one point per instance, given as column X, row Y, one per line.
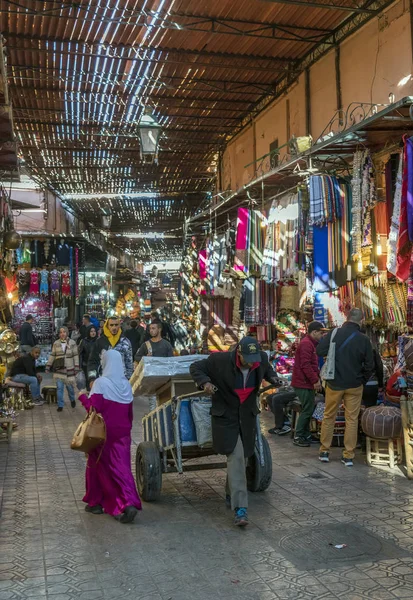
column 233, row 379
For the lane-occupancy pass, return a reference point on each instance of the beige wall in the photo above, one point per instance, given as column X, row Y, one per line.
column 374, row 62
column 57, row 220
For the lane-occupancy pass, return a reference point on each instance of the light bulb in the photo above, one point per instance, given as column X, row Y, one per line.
column 379, row 249
column 360, row 266
column 9, row 295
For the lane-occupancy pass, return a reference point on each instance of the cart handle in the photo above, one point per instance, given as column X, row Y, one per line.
column 191, row 395
column 269, row 387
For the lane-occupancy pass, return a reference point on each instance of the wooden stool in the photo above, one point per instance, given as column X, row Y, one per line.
column 384, row 452
column 9, row 430
column 19, row 391
column 50, row 394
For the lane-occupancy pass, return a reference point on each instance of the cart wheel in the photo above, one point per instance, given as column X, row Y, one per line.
column 148, row 471
column 258, row 477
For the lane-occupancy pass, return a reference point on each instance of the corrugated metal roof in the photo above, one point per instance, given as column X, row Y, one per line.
column 80, row 75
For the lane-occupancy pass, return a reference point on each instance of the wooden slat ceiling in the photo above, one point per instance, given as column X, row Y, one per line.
column 80, row 74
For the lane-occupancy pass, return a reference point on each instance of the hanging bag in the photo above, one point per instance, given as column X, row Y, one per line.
column 59, row 362
column 328, row 369
column 90, row 433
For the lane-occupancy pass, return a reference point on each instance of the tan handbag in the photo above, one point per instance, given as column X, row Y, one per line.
column 90, row 433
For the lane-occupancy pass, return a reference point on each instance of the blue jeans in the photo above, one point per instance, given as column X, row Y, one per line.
column 30, row 381
column 60, row 384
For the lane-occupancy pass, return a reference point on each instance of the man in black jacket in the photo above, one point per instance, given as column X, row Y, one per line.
column 23, row 370
column 233, row 379
column 353, row 366
column 84, row 328
column 27, row 339
column 135, row 335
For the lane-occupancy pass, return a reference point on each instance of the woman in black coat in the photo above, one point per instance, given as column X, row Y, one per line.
column 85, row 348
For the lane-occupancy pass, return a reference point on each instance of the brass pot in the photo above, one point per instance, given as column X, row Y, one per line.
column 8, row 336
column 12, row 240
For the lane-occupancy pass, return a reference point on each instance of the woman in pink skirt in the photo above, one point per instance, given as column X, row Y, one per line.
column 110, row 486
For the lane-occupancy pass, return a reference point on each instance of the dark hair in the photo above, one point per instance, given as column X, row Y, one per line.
column 29, row 318
column 86, row 317
column 184, row 352
column 114, row 318
column 134, row 324
column 156, row 322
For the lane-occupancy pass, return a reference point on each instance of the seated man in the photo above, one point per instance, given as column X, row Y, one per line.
column 278, row 403
column 23, row 370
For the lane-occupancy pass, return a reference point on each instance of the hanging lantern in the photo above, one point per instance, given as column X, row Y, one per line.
column 149, row 133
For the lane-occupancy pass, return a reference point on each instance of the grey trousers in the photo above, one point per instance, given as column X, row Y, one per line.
column 236, row 485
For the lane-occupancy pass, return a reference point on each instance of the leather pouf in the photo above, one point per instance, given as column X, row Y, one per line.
column 383, row 422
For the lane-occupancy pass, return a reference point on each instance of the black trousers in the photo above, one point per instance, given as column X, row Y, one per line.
column 370, row 395
column 277, row 403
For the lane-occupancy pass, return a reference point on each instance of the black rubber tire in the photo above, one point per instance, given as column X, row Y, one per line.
column 258, row 477
column 148, row 471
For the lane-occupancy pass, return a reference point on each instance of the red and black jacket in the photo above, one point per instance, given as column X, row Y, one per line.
column 234, row 406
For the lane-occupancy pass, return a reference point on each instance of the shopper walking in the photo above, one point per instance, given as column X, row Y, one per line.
column 112, row 338
column 27, row 337
column 135, row 335
column 86, row 323
column 156, row 345
column 353, row 367
column 126, row 324
column 64, row 362
column 306, row 380
column 233, row 379
column 110, row 486
column 23, row 370
column 85, row 348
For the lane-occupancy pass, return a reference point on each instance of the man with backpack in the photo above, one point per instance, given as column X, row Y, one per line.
column 349, row 366
column 156, row 346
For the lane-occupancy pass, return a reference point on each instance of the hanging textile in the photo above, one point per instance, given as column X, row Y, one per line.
column 356, row 192
column 202, row 263
column 325, row 199
column 382, row 231
column 409, row 191
column 270, row 258
column 303, row 225
column 404, row 246
column 320, row 259
column 241, row 243
column 256, row 242
column 395, row 223
column 409, row 316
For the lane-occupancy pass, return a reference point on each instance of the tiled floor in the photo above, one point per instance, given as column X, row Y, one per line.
column 185, row 547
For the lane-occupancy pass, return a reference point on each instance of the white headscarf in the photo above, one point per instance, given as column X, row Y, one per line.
column 113, row 384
